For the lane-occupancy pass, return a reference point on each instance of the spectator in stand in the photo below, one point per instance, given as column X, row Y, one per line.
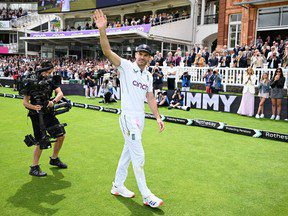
column 247, row 101
column 273, row 61
column 188, row 59
column 208, row 83
column 206, row 55
column 277, row 93
column 225, row 60
column 257, row 60
column 285, row 58
column 241, row 60
column 248, row 55
column 177, row 59
column 264, row 89
column 171, row 75
column 199, row 61
column 214, row 59
column 273, row 49
column 169, row 58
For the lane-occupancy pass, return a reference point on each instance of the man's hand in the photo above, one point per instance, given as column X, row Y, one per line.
column 37, row 107
column 50, row 104
column 100, row 19
column 160, row 124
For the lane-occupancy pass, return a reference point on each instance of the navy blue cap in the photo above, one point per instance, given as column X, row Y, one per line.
column 144, row 48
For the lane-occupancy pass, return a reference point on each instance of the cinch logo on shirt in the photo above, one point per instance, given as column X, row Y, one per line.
column 140, row 85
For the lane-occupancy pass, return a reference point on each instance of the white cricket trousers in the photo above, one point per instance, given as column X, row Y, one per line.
column 132, row 127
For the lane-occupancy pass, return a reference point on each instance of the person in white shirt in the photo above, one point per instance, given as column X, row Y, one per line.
column 136, row 85
column 248, row 99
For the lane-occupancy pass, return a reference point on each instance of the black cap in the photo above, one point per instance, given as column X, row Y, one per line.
column 144, row 48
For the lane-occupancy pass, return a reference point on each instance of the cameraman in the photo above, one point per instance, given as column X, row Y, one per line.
column 107, row 87
column 31, row 102
column 177, row 100
column 162, row 99
column 157, row 78
column 185, row 81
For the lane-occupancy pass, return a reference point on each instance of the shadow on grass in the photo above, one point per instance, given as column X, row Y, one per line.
column 137, row 209
column 32, row 195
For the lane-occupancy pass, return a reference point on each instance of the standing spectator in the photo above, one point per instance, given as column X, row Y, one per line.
column 199, row 61
column 214, row 59
column 285, row 58
column 157, row 78
column 171, row 75
column 206, row 54
column 277, row 94
column 185, row 81
column 257, row 60
column 177, row 59
column 215, row 81
column 208, row 83
column 241, row 60
column 225, row 60
column 264, row 89
column 247, row 101
column 273, row 61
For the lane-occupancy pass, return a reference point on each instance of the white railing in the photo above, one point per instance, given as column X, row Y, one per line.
column 230, row 76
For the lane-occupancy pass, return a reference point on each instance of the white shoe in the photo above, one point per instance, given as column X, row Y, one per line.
column 152, row 201
column 262, row 115
column 272, row 117
column 122, row 191
column 87, row 97
column 277, row 118
column 257, row 116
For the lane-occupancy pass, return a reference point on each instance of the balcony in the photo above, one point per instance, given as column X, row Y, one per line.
column 208, row 19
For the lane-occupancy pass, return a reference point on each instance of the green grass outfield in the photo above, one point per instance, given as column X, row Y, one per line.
column 197, row 171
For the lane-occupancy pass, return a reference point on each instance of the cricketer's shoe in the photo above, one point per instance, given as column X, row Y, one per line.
column 122, row 191
column 152, row 201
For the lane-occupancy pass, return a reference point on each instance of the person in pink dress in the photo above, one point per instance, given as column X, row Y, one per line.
column 247, row 101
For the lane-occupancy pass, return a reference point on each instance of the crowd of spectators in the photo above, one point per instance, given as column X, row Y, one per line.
column 9, row 14
column 256, row 55
column 155, row 19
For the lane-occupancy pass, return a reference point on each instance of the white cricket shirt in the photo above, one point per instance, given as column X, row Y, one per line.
column 134, row 86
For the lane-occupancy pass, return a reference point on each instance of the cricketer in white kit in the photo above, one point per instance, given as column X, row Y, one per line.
column 136, row 85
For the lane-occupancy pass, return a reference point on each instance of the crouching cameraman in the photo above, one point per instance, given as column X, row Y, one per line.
column 37, row 99
column 107, row 89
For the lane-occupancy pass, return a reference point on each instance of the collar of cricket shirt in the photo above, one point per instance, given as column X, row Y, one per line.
column 136, row 68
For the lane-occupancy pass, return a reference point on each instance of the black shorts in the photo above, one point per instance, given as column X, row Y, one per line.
column 49, row 121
